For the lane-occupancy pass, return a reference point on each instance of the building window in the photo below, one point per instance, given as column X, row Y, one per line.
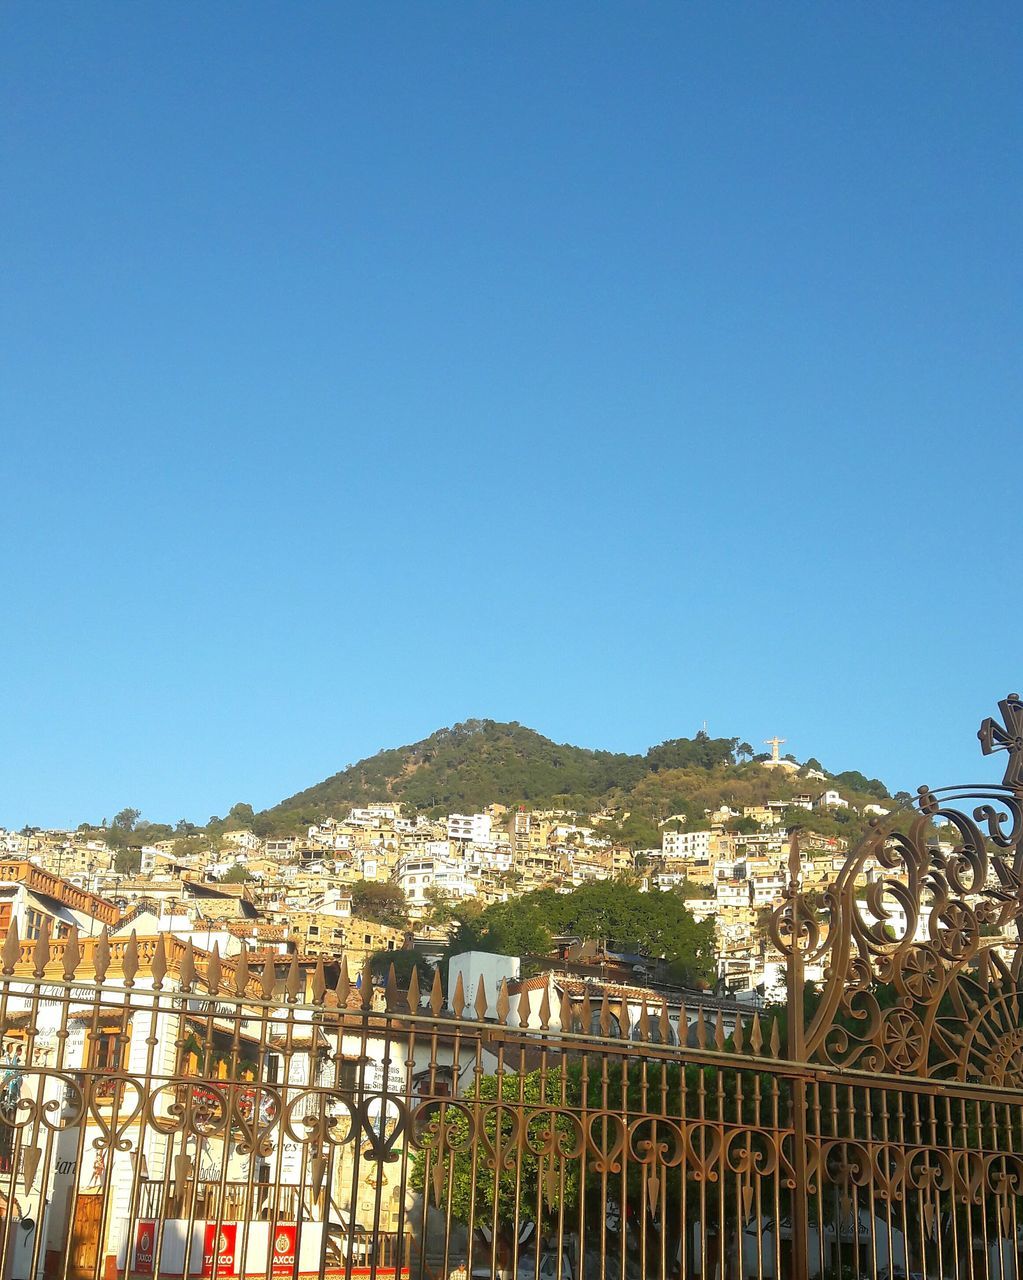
column 33, row 923
column 107, row 1051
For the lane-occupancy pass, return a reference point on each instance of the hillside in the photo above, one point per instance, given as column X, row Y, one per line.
column 470, row 765
column 480, row 762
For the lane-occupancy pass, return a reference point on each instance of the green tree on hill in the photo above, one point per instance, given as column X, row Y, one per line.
column 236, row 875
column 383, row 903
column 656, row 924
column 118, row 834
column 128, row 862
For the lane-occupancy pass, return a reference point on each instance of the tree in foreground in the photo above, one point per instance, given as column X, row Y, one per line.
column 618, row 914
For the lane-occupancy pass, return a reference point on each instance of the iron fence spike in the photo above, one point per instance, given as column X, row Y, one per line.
column 30, row 1157
column 480, row 1005
column 41, row 950
column 101, row 956
column 268, row 979
column 524, row 1011
column 436, row 995
column 318, row 987
column 130, row 960
column 605, row 1016
column 653, row 1186
column 12, row 948
column 213, row 969
column 794, row 862
column 241, row 972
column 545, row 1008
column 158, row 965
column 186, row 973
column 72, row 953
column 293, row 985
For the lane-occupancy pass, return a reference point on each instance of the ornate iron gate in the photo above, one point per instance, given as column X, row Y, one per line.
column 165, row 1111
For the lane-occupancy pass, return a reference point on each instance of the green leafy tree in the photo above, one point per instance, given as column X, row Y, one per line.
column 235, row 875
column 520, row 1188
column 118, row 834
column 853, row 780
column 636, row 830
column 614, row 912
column 240, row 816
column 128, row 862
column 383, row 903
column 701, row 752
column 127, row 819
column 185, row 846
column 443, row 909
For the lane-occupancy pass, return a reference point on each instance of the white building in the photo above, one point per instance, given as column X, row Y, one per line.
column 492, row 856
column 474, row 827
column 830, row 799
column 421, row 871
column 693, row 846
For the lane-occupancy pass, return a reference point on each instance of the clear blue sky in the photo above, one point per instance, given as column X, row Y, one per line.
column 610, row 368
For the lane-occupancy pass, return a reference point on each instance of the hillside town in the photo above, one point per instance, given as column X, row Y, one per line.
column 282, row 930
column 306, row 895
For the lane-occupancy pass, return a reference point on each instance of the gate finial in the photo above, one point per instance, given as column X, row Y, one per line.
column 1007, row 736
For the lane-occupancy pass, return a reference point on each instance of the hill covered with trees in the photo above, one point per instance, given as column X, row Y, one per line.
column 480, row 762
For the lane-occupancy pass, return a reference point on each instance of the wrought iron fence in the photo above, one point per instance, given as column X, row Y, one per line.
column 164, row 1111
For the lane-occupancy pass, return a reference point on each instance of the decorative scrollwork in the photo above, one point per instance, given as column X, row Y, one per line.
column 924, row 911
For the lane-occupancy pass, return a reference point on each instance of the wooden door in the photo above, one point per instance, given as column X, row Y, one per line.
column 84, row 1244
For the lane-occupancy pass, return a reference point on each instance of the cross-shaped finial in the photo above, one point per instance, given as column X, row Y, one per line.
column 1007, row 736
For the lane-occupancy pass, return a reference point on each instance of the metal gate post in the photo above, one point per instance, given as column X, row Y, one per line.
column 796, row 1048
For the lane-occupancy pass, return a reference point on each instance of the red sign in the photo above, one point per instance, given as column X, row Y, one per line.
column 284, row 1246
column 225, row 1244
column 145, row 1248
